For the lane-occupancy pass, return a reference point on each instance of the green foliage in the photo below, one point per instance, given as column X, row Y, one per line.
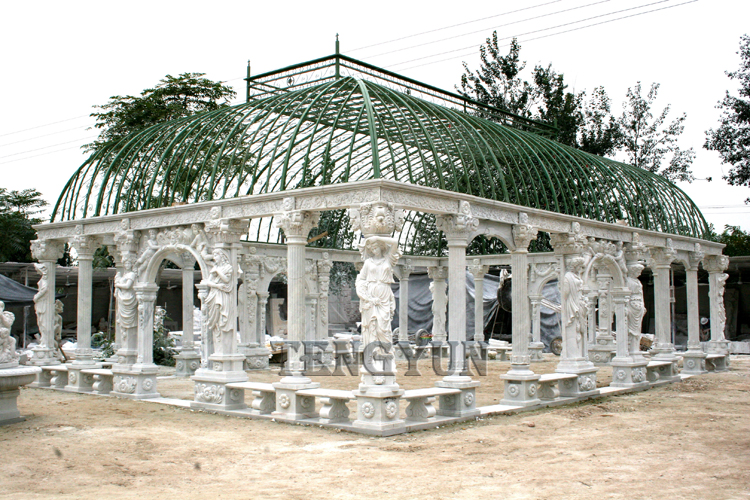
column 342, row 273
column 736, row 240
column 163, row 346
column 648, row 142
column 18, row 211
column 732, row 139
column 102, row 258
column 172, row 98
column 102, row 340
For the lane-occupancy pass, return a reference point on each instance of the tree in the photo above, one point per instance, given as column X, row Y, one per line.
column 646, row 140
column 599, row 133
column 18, row 212
column 732, row 139
column 170, row 99
column 736, row 240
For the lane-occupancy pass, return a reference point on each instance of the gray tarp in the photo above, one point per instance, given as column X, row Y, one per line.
column 14, row 294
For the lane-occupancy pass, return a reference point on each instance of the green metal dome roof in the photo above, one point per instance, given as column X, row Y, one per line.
column 346, row 128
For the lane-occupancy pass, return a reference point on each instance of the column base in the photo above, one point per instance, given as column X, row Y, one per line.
column 289, row 404
column 126, row 357
column 257, row 358
column 535, row 351
column 459, row 405
column 718, row 347
column 584, row 385
column 601, row 355
column 43, row 356
column 135, row 382
column 379, row 410
column 627, row 372
column 694, row 362
column 521, row 387
column 186, row 363
column 211, row 392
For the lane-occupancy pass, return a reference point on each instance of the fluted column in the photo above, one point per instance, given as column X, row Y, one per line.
column 660, row 262
column 85, row 246
column 438, row 287
column 324, row 277
column 46, row 252
column 478, row 271
column 188, row 360
column 694, row 360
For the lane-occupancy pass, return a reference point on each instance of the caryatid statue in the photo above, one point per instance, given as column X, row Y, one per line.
column 636, row 307
column 40, row 298
column 575, row 313
column 220, row 287
column 127, row 303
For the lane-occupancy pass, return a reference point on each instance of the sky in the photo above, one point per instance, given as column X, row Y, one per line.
column 59, row 59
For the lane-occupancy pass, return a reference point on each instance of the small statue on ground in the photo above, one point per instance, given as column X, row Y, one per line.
column 58, row 325
column 40, row 299
column 7, row 342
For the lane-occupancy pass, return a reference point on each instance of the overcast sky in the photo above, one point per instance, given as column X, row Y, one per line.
column 61, row 58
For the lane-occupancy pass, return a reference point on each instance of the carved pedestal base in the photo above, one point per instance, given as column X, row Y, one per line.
column 458, row 405
column 694, row 363
column 126, row 357
column 535, row 351
column 520, row 388
column 43, row 356
column 211, row 392
column 289, row 404
column 80, row 382
column 10, row 380
column 43, row 379
column 378, row 410
column 256, row 358
column 186, row 363
column 138, row 382
column 601, row 355
column 584, row 385
column 629, row 373
column 718, row 347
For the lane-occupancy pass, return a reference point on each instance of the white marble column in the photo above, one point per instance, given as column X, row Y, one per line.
column 46, row 252
column 262, row 304
column 188, row 360
column 324, row 277
column 405, row 271
column 438, row 288
column 603, row 349
column 660, row 262
column 126, row 250
column 207, row 344
column 521, row 383
column 296, row 225
column 478, row 271
column 716, row 265
column 694, row 360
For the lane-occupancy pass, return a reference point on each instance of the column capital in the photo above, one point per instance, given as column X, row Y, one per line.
column 661, row 257
column 47, row 250
column 297, row 224
column 635, row 250
column 458, row 227
column 523, row 234
column 572, row 242
column 437, row 272
column 376, row 218
column 325, row 264
column 225, row 230
column 405, row 269
column 477, row 269
column 715, row 263
column 146, row 291
column 85, row 245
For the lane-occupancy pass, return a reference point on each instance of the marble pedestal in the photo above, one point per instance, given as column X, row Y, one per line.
column 603, row 350
column 43, row 356
column 584, row 385
column 535, row 351
column 211, row 392
column 520, row 388
column 291, row 405
column 12, row 377
column 186, row 363
column 458, row 405
column 666, row 373
column 257, row 358
column 694, row 362
column 627, row 372
column 81, row 382
column 134, row 381
column 378, row 406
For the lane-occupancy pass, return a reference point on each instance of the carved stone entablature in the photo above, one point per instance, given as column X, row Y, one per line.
column 437, row 272
column 661, row 256
column 716, row 263
column 605, row 254
column 459, row 226
column 477, row 269
column 569, row 243
column 296, row 224
column 635, row 250
column 376, row 219
column 224, row 231
column 541, row 271
column 273, row 265
column 47, row 250
column 523, row 234
column 404, row 270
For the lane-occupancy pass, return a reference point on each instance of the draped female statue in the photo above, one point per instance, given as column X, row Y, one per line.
column 376, row 301
column 127, row 303
column 574, row 315
column 218, row 300
column 636, row 307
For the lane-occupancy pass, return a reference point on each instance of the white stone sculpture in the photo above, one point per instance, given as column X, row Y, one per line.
column 58, row 325
column 151, row 247
column 636, row 307
column 376, row 300
column 220, row 287
column 40, row 299
column 159, row 314
column 721, row 318
column 127, row 303
column 7, row 342
column 574, row 315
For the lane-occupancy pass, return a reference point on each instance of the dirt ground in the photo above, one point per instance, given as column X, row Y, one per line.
column 686, row 440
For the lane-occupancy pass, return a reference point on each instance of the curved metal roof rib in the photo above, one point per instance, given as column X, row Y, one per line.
column 347, row 129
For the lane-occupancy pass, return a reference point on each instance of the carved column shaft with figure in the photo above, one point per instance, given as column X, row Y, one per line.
column 46, row 252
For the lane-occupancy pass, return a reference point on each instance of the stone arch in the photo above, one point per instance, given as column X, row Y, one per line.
column 171, row 252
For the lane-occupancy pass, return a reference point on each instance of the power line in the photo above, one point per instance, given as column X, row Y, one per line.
column 47, row 147
column 40, row 136
column 45, row 125
column 452, row 26
column 494, row 28
column 538, row 37
column 41, row 154
column 536, row 31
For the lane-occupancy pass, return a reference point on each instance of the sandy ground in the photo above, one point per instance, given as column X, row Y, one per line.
column 686, row 440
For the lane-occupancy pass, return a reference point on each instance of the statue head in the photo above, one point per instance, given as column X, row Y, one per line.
column 575, row 265
column 635, row 270
column 59, row 306
column 152, row 234
column 219, row 256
